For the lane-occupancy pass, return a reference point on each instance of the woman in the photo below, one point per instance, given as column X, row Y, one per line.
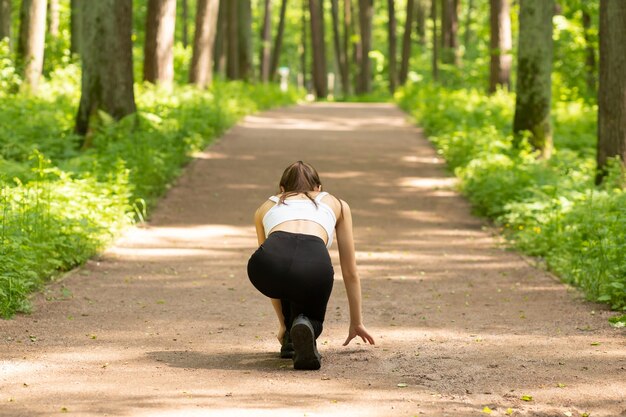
column 292, row 266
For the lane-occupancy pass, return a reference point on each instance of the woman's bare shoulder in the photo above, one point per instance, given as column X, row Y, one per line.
column 263, row 208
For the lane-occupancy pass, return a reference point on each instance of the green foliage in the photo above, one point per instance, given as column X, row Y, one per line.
column 59, row 205
column 550, row 209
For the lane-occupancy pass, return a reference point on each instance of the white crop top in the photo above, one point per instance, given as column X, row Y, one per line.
column 301, row 210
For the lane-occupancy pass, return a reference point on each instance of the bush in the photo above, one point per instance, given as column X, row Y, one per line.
column 550, row 209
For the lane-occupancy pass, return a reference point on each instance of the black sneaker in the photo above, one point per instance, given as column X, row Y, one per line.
column 306, row 355
column 286, row 350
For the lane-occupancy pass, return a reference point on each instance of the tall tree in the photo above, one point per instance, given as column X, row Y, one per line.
column 232, row 39
column 433, row 16
column 32, row 40
column 612, row 87
column 53, row 18
column 303, row 54
column 158, row 64
column 185, row 21
column 393, row 73
column 107, row 60
column 590, row 50
column 201, row 71
column 266, row 42
column 449, row 29
column 316, row 11
column 245, row 39
column 366, row 12
column 406, row 41
column 278, row 41
column 467, row 36
column 5, row 19
column 420, row 21
column 501, row 43
column 220, row 47
column 340, row 54
column 75, row 25
column 534, row 70
column 347, row 35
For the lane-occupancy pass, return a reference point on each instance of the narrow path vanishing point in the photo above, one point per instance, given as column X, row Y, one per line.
column 166, row 322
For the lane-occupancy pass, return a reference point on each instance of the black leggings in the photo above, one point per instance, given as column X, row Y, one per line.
column 296, row 269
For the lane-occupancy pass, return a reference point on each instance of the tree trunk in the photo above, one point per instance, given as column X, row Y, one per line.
column 500, row 70
column 590, row 54
column 534, row 69
column 449, row 28
column 612, row 87
column 366, row 12
column 201, row 71
column 406, row 41
column 347, row 34
column 393, row 73
column 158, row 64
column 107, row 59
column 232, row 40
column 420, row 21
column 340, row 55
column 266, row 42
column 75, row 25
column 32, row 40
column 278, row 42
column 245, row 39
column 316, row 10
column 468, row 25
column 5, row 19
column 358, row 49
column 304, row 50
column 433, row 16
column 53, row 18
column 220, row 45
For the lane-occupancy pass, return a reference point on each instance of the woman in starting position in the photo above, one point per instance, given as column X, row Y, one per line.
column 292, row 266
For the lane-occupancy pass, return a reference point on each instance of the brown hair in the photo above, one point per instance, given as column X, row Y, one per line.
column 297, row 178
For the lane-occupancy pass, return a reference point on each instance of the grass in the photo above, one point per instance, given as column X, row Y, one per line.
column 549, row 209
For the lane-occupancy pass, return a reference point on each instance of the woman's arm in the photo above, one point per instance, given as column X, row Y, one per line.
column 347, row 258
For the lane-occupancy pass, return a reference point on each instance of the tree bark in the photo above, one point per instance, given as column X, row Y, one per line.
column 201, row 71
column 220, row 46
column 366, row 12
column 32, row 40
column 393, row 73
column 358, row 48
column 304, row 51
column 5, row 19
column 449, row 29
column 232, row 40
column 278, row 41
column 245, row 39
column 612, row 86
column 107, row 60
column 433, row 16
column 185, row 21
column 266, row 42
column 75, row 26
column 468, row 25
column 316, row 10
column 590, row 54
column 158, row 64
column 420, row 22
column 534, row 70
column 406, row 41
column 347, row 33
column 340, row 55
column 501, row 43
column 53, row 18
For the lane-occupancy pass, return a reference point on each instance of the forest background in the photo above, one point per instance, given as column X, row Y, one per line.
column 102, row 104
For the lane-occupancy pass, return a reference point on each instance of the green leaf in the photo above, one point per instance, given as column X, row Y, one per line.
column 487, row 410
column 526, row 398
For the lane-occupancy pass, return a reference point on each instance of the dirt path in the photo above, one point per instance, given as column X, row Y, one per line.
column 167, row 324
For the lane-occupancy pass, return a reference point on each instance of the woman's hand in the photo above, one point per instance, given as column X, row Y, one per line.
column 361, row 331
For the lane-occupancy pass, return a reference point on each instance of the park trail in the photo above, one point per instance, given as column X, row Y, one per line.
column 166, row 323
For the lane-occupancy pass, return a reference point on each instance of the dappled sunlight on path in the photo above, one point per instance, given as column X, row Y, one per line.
column 166, row 323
